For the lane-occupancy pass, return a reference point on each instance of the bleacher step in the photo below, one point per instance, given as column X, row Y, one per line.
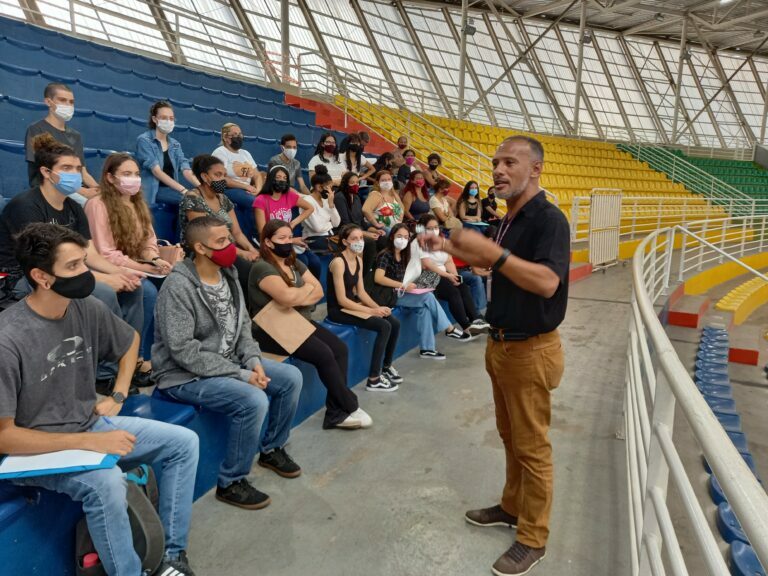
column 578, row 272
column 688, row 311
column 746, row 344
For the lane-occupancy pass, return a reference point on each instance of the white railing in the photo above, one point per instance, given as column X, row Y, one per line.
column 656, row 383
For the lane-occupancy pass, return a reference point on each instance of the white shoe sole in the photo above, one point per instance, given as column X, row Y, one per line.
column 470, row 521
column 532, row 566
column 394, row 388
column 431, row 357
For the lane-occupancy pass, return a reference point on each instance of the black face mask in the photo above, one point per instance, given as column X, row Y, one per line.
column 218, row 186
column 75, row 287
column 236, row 142
column 433, row 165
column 324, row 194
column 491, row 196
column 282, row 250
column 280, row 186
column 354, row 148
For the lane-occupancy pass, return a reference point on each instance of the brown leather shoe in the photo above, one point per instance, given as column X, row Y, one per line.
column 493, row 516
column 518, row 560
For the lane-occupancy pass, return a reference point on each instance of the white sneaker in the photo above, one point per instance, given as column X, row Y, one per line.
column 362, row 416
column 350, row 423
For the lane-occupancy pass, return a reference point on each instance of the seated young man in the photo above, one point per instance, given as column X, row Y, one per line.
column 50, row 344
column 204, row 355
column 61, row 107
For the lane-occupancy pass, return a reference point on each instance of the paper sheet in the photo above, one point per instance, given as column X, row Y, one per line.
column 54, row 461
column 420, row 291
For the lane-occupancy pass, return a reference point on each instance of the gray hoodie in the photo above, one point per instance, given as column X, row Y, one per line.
column 187, row 333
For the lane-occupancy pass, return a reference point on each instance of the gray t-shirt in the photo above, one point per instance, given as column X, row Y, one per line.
column 68, row 136
column 293, row 166
column 48, row 367
column 220, row 299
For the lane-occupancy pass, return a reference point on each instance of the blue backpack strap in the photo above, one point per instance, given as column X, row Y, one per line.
column 138, row 480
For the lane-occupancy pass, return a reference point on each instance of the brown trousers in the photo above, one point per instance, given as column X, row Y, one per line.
column 523, row 374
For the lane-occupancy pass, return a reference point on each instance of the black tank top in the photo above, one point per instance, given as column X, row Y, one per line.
column 350, row 283
column 472, row 210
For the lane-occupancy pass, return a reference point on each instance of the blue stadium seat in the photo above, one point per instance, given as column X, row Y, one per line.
column 711, row 367
column 731, row 422
column 744, row 561
column 158, row 408
column 716, row 391
column 713, row 357
column 728, row 525
column 745, row 455
column 13, row 179
column 726, row 405
column 702, row 377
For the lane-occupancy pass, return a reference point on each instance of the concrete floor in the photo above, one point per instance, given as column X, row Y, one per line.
column 389, row 501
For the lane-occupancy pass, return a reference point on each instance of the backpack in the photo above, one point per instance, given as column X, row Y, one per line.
column 142, row 498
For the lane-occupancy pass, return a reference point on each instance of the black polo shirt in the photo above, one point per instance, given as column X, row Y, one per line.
column 538, row 233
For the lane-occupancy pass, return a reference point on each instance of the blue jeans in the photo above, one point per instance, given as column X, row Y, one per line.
column 311, row 261
column 102, row 492
column 430, row 317
column 248, row 406
column 126, row 305
column 243, row 201
column 166, row 195
column 477, row 287
column 149, row 289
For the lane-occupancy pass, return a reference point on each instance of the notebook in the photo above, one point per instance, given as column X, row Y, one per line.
column 61, row 462
column 285, row 325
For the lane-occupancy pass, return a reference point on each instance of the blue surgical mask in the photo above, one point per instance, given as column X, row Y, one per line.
column 473, row 192
column 69, row 182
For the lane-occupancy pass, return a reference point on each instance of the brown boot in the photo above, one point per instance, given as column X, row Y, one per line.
column 518, row 560
column 493, row 516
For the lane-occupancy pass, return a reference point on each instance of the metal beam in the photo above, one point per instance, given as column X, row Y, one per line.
column 680, row 59
column 551, row 7
column 614, row 91
column 326, row 54
column 746, row 128
column 424, row 58
column 32, row 12
column 467, row 64
column 673, row 86
column 580, row 90
column 661, row 131
column 170, row 37
column 707, row 106
column 500, row 53
column 764, row 94
column 370, row 36
column 285, row 38
column 579, row 66
column 256, row 44
column 530, row 48
column 462, row 44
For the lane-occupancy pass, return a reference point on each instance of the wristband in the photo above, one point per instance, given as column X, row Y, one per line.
column 500, row 262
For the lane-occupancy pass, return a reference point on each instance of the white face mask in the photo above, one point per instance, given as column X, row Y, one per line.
column 385, row 186
column 165, row 126
column 289, row 153
column 64, row 112
column 435, row 232
column 357, row 247
column 401, row 243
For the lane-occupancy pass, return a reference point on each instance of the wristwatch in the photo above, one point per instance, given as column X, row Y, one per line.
column 118, row 397
column 500, row 262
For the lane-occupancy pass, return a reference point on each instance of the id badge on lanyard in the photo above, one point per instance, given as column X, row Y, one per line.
column 503, row 229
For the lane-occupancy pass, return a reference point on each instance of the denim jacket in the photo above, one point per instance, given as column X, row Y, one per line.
column 149, row 153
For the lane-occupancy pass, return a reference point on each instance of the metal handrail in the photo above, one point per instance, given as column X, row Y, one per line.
column 656, row 381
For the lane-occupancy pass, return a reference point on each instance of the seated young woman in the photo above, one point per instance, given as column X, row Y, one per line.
column 122, row 232
column 442, row 207
column 350, row 210
column 279, row 276
column 390, row 290
column 452, row 288
column 383, row 208
column 346, row 292
column 319, row 226
column 415, row 196
column 276, row 201
column 209, row 199
column 468, row 204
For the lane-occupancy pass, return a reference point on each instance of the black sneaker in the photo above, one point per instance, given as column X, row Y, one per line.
column 393, row 375
column 455, row 333
column 431, row 355
column 142, row 379
column 280, row 463
column 243, row 495
column 175, row 567
column 383, row 384
column 466, row 336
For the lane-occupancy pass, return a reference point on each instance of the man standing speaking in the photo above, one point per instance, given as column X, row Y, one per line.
column 528, row 292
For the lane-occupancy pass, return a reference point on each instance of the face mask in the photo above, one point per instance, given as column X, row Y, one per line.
column 419, row 183
column 386, row 186
column 129, row 185
column 282, row 250
column 357, row 247
column 324, row 194
column 433, row 165
column 69, row 182
column 354, row 148
column 64, row 112
column 329, row 148
column 353, row 188
column 402, row 146
column 289, row 153
column 410, row 160
column 491, row 195
column 280, row 186
column 435, row 232
column 75, row 287
column 218, row 186
column 473, row 192
column 223, row 257
column 401, row 243
column 236, row 142
column 165, row 126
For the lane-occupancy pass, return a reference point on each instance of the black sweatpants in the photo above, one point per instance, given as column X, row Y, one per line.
column 330, row 357
column 387, row 331
column 459, row 300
